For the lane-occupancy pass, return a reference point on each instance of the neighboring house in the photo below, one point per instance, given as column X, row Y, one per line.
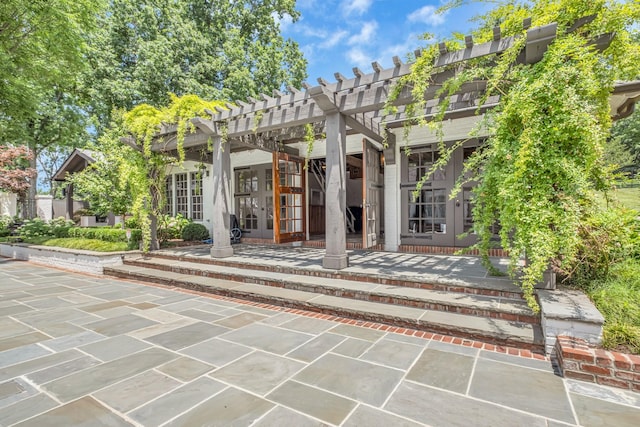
column 77, row 161
column 359, row 183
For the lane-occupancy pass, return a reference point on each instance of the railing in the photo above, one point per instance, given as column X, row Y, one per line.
column 317, row 167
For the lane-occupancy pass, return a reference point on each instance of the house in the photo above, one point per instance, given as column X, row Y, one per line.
column 358, row 183
column 77, row 161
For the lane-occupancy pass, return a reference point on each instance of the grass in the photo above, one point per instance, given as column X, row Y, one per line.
column 628, row 197
column 86, row 244
column 618, row 299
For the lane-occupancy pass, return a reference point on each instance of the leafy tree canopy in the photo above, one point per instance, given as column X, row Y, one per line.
column 538, row 170
column 14, row 171
column 215, row 49
column 41, row 46
column 627, row 133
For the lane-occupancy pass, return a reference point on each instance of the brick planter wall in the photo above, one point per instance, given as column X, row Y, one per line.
column 578, row 360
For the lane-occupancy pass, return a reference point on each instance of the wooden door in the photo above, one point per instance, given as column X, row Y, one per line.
column 289, row 198
column 371, row 194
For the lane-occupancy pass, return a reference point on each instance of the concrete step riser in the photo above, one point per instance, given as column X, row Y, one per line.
column 358, row 295
column 353, row 314
column 347, row 276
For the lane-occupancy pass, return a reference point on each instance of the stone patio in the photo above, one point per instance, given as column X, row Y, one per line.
column 87, row 350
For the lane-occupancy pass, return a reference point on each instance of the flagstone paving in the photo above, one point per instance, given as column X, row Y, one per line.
column 94, row 351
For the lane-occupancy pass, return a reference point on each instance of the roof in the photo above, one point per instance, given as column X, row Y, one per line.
column 77, row 161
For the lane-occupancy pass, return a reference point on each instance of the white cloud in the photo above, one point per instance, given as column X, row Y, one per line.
column 357, row 57
column 357, row 7
column 365, row 35
column 334, row 39
column 285, row 22
column 427, row 15
column 411, row 43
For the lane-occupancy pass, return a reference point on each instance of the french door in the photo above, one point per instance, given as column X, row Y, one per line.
column 289, row 197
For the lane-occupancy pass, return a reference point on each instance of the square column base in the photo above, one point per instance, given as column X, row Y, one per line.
column 223, row 252
column 335, row 262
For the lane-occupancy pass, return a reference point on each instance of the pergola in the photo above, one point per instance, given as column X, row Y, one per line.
column 351, row 105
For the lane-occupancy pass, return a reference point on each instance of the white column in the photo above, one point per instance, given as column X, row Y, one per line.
column 391, row 208
column 221, row 196
column 336, row 194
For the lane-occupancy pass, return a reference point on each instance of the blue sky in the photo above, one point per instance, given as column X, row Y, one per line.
column 337, row 35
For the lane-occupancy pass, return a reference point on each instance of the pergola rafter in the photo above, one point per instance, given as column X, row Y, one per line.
column 360, row 99
column 270, row 122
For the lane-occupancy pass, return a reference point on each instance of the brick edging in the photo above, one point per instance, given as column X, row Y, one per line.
column 370, row 324
column 578, row 360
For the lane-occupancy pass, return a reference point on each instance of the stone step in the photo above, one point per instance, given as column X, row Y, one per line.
column 496, row 331
column 489, row 286
column 438, row 300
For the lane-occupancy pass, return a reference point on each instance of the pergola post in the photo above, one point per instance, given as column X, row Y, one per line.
column 336, row 257
column 221, row 195
column 69, row 201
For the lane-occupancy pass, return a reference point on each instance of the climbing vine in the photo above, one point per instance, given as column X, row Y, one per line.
column 538, row 169
column 142, row 129
column 309, row 139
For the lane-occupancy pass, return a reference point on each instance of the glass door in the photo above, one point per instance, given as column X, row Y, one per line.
column 289, row 196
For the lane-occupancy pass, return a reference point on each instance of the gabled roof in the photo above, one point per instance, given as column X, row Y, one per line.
column 78, row 160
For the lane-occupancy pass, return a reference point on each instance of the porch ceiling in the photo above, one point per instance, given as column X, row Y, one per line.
column 271, row 122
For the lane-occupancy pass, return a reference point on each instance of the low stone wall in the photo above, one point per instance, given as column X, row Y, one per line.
column 69, row 259
column 578, row 360
column 571, row 313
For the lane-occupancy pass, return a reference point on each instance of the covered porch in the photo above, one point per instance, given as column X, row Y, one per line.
column 283, row 123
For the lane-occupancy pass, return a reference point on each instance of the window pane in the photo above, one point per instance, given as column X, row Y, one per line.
column 196, row 196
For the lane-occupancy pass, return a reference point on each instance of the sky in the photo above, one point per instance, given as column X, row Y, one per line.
column 337, row 35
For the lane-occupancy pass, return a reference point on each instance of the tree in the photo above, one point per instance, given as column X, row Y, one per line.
column 40, row 46
column 538, row 170
column 135, row 170
column 215, row 49
column 15, row 175
column 106, row 184
column 627, row 133
column 41, row 56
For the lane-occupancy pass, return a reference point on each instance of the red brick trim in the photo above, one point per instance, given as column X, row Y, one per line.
column 578, row 360
column 428, row 336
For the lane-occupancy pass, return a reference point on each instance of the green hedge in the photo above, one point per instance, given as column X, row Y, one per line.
column 107, row 234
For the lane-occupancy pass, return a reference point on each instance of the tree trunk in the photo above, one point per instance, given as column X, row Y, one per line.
column 29, row 210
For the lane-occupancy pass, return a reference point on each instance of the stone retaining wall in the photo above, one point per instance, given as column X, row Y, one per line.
column 578, row 360
column 69, row 259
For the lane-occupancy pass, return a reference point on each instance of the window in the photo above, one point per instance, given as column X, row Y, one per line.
column 168, row 195
column 290, row 173
column 182, row 194
column 196, row 196
column 247, row 212
column 268, row 179
column 246, row 181
column 427, row 211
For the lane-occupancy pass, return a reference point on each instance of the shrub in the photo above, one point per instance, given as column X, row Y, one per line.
column 606, row 238
column 35, row 228
column 60, row 227
column 171, row 227
column 131, row 222
column 5, row 224
column 107, row 234
column 617, row 297
column 195, row 232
